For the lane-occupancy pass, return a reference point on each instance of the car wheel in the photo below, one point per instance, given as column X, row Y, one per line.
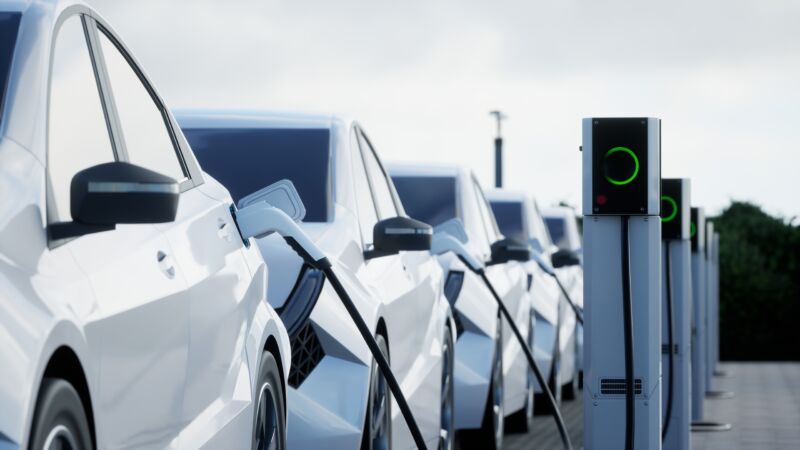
column 269, row 421
column 60, row 421
column 553, row 382
column 378, row 424
column 447, row 417
column 490, row 435
column 522, row 420
column 571, row 388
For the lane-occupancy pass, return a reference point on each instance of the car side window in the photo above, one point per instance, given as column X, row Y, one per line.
column 367, row 215
column 379, row 182
column 489, row 224
column 143, row 120
column 78, row 136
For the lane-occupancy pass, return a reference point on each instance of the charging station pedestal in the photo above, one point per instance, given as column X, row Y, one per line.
column 698, row 228
column 715, row 308
column 621, row 182
column 709, row 334
column 677, row 281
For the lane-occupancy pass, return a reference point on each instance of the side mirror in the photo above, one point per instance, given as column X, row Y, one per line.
column 398, row 234
column 507, row 249
column 114, row 193
column 565, row 258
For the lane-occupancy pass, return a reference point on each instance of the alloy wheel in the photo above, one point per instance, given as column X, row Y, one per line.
column 60, row 438
column 266, row 431
column 498, row 392
column 446, row 420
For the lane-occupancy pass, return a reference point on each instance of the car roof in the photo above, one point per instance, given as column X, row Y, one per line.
column 424, row 169
column 558, row 211
column 233, row 118
column 505, row 195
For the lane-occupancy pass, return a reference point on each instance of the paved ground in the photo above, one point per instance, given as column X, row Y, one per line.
column 765, row 413
column 545, row 434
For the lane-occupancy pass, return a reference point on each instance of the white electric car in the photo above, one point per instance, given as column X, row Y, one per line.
column 492, row 375
column 568, row 260
column 555, row 349
column 337, row 397
column 131, row 313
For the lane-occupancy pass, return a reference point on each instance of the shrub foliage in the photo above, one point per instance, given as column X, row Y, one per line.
column 759, row 285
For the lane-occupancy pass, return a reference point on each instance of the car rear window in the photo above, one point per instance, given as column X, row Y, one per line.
column 9, row 26
column 509, row 219
column 429, row 199
column 245, row 160
column 555, row 226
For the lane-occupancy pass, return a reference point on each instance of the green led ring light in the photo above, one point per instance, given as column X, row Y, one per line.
column 635, row 162
column 674, row 212
column 692, row 230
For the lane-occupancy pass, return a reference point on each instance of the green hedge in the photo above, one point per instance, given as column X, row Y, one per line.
column 759, row 285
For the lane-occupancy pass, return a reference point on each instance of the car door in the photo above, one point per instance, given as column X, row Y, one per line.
column 137, row 330
column 207, row 247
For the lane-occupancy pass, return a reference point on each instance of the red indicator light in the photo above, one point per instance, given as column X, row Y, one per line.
column 601, row 199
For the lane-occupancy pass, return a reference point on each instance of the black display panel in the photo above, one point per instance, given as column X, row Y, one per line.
column 696, row 228
column 619, row 166
column 671, row 208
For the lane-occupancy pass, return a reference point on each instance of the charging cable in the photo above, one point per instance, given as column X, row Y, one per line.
column 550, row 271
column 444, row 242
column 260, row 220
column 670, row 344
column 627, row 309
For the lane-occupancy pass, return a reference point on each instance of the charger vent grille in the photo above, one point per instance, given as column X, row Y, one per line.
column 616, row 386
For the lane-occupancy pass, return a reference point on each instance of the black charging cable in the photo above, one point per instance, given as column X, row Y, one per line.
column 670, row 343
column 578, row 311
column 325, row 266
column 562, row 429
column 627, row 310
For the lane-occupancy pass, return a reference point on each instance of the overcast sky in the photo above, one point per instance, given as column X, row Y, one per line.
column 422, row 76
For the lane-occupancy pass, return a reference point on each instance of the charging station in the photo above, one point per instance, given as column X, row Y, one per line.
column 622, row 282
column 676, row 295
column 698, row 227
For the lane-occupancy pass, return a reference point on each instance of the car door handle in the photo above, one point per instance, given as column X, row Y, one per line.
column 223, row 230
column 165, row 264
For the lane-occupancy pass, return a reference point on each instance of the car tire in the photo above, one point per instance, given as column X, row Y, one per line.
column 60, row 421
column 269, row 413
column 570, row 390
column 447, row 427
column 554, row 383
column 522, row 420
column 490, row 435
column 377, row 434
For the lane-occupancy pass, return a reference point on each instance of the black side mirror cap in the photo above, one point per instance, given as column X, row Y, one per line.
column 565, row 258
column 391, row 236
column 508, row 249
column 108, row 194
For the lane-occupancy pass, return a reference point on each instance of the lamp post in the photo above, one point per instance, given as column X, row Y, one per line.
column 498, row 149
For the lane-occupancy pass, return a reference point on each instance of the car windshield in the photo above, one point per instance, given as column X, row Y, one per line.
column 429, row 199
column 9, row 25
column 555, row 225
column 245, row 160
column 509, row 219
